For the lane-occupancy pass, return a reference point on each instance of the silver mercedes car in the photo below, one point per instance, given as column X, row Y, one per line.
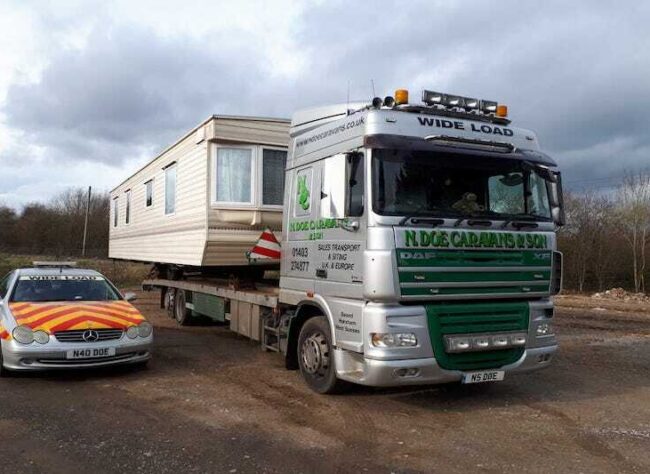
column 55, row 316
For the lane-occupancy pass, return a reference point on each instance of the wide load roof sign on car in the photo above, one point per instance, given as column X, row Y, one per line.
column 47, row 264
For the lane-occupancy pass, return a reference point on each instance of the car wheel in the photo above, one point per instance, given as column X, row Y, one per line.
column 316, row 357
column 3, row 372
column 181, row 313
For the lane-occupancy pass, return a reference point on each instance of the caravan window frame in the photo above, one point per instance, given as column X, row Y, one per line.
column 173, row 165
column 127, row 207
column 253, row 176
column 260, row 172
column 116, row 214
column 147, row 184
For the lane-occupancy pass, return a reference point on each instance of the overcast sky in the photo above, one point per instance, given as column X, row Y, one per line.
column 89, row 91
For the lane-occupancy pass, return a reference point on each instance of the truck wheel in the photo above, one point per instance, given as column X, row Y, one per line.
column 170, row 298
column 181, row 313
column 316, row 356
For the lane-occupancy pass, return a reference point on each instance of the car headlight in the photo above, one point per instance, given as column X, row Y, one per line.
column 23, row 334
column 132, row 332
column 41, row 337
column 391, row 339
column 145, row 329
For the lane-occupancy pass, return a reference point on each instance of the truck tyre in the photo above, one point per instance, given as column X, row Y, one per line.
column 316, row 356
column 181, row 313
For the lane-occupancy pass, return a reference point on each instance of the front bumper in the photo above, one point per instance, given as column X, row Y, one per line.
column 353, row 367
column 20, row 357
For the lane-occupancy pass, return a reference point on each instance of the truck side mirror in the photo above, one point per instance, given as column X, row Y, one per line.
column 334, row 191
column 554, row 189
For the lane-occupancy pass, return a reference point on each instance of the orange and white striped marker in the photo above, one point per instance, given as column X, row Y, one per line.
column 266, row 248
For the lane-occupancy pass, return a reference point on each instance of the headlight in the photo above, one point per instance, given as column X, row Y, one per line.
column 132, row 332
column 145, row 329
column 544, row 329
column 41, row 337
column 23, row 334
column 390, row 339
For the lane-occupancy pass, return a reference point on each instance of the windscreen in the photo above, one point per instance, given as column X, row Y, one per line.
column 35, row 289
column 426, row 183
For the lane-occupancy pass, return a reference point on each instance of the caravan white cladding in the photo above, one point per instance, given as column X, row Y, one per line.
column 205, row 200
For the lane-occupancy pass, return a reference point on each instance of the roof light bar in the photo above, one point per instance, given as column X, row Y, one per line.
column 469, row 104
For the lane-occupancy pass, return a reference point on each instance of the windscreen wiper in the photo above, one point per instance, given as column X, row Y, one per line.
column 433, row 222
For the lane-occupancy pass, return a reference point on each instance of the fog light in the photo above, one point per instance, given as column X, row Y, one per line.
column 389, row 339
column 500, row 341
column 481, row 342
column 544, row 329
column 517, row 340
column 459, row 344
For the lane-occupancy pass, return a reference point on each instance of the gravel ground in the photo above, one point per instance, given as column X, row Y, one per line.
column 211, row 401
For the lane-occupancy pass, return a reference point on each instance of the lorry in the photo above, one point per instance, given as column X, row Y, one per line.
column 418, row 246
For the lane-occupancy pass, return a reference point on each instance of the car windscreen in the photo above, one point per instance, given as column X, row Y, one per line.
column 42, row 288
column 427, row 183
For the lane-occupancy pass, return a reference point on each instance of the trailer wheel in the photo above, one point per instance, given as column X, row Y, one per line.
column 316, row 356
column 170, row 298
column 181, row 313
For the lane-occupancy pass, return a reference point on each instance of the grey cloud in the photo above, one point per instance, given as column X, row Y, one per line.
column 576, row 73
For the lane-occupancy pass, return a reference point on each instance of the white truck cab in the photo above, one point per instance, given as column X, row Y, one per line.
column 419, row 243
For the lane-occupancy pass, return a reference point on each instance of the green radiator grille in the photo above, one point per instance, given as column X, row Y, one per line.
column 488, row 318
column 436, row 274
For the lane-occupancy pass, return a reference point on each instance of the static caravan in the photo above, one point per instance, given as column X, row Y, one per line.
column 204, row 200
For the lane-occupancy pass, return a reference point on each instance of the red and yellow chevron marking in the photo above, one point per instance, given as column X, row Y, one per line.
column 4, row 334
column 52, row 317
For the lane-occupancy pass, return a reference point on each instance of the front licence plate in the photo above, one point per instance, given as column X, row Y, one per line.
column 486, row 376
column 90, row 353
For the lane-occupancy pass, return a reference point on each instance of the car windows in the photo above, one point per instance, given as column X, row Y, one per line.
column 63, row 288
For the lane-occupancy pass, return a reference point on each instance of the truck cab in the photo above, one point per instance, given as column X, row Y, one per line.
column 419, row 243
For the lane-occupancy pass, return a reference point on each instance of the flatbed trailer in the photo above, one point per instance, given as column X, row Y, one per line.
column 252, row 312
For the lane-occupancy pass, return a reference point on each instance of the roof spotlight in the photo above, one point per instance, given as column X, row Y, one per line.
column 431, row 98
column 488, row 106
column 453, row 101
column 471, row 104
column 377, row 102
column 389, row 101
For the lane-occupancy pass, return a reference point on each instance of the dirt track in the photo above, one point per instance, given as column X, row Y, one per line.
column 213, row 402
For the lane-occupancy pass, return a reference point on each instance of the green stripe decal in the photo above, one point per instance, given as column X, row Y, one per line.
column 475, row 318
column 472, row 258
column 515, row 275
column 514, row 290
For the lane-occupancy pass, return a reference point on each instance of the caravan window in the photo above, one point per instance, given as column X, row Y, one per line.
column 234, row 178
column 115, row 207
column 273, row 164
column 128, row 207
column 148, row 193
column 170, row 189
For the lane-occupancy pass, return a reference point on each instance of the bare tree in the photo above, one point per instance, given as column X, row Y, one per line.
column 634, row 221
